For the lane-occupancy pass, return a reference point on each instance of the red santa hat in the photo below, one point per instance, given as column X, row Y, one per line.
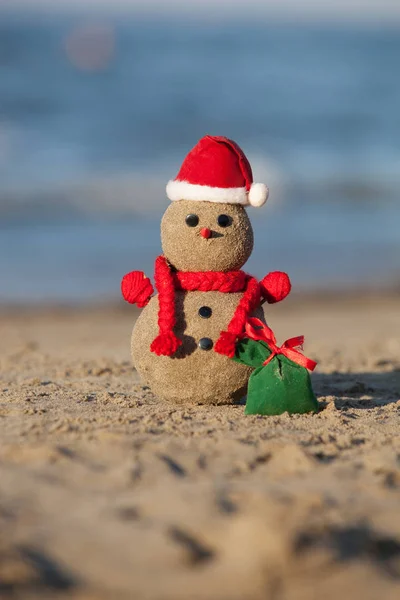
column 217, row 170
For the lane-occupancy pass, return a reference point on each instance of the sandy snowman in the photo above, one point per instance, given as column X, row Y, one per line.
column 184, row 339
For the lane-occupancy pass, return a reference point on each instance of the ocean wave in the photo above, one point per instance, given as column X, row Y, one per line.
column 135, row 195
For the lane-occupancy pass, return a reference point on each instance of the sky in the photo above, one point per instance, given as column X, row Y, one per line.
column 350, row 9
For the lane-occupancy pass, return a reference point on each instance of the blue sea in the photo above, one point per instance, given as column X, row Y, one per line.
column 97, row 114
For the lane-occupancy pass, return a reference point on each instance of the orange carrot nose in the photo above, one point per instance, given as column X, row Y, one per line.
column 205, row 233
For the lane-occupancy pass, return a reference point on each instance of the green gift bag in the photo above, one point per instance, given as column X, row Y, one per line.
column 281, row 381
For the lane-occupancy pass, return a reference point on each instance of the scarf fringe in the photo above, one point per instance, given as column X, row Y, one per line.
column 165, row 344
column 226, row 344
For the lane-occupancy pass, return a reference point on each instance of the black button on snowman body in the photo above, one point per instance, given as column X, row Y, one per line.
column 205, row 344
column 205, row 312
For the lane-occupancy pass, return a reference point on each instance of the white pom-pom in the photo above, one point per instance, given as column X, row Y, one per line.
column 258, row 194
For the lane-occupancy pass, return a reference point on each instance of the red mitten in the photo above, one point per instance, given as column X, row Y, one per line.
column 275, row 286
column 136, row 288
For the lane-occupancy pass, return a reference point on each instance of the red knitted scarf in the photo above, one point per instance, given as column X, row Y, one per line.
column 167, row 282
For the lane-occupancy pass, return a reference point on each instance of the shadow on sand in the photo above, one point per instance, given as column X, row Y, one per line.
column 358, row 390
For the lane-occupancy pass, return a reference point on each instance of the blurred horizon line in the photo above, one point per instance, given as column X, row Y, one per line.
column 284, row 11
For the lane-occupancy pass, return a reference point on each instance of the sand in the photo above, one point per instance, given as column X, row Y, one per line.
column 108, row 493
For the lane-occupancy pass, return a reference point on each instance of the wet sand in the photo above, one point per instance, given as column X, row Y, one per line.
column 108, row 493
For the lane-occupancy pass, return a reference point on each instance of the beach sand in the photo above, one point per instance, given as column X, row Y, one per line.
column 108, row 493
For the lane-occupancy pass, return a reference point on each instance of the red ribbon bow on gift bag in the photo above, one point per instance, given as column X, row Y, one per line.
column 258, row 331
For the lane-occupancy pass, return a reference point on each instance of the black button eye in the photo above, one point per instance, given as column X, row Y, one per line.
column 192, row 220
column 224, row 221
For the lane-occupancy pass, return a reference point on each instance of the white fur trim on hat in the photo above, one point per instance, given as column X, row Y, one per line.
column 183, row 190
column 258, row 194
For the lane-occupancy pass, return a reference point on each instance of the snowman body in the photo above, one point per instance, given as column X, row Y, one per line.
column 196, row 373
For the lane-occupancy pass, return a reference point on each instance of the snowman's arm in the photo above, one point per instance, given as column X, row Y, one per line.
column 275, row 287
column 136, row 288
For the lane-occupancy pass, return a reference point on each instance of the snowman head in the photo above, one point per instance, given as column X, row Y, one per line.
column 206, row 236
column 206, row 227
